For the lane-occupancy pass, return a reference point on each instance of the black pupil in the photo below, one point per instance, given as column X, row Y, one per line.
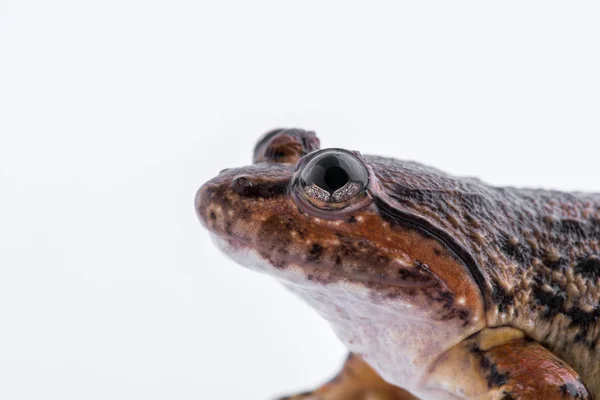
column 333, row 169
column 335, row 178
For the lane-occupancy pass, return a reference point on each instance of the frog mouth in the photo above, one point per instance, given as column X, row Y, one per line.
column 410, row 278
column 298, row 271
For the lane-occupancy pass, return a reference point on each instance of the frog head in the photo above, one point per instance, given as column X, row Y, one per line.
column 331, row 226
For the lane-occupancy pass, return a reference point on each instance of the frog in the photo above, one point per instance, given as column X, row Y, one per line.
column 441, row 287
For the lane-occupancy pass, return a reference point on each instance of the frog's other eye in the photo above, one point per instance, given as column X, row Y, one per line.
column 285, row 146
column 331, row 178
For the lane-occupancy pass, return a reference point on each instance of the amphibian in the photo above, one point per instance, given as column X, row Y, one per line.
column 441, row 287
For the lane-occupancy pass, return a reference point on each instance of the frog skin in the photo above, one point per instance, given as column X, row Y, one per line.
column 445, row 287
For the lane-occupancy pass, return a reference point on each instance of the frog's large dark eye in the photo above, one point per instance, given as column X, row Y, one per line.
column 333, row 176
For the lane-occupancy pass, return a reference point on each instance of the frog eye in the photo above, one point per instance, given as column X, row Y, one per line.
column 332, row 177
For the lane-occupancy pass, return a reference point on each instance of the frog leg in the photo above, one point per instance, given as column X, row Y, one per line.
column 500, row 363
column 356, row 381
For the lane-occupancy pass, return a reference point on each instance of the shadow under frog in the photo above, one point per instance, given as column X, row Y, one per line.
column 440, row 287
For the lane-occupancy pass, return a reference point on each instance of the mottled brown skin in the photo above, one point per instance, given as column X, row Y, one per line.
column 464, row 255
column 536, row 250
column 502, row 363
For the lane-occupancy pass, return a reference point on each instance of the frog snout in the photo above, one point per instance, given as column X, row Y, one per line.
column 216, row 201
column 238, row 196
column 207, row 207
column 200, row 203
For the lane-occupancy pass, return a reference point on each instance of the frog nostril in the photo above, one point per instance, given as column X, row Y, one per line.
column 224, row 170
column 242, row 182
column 245, row 187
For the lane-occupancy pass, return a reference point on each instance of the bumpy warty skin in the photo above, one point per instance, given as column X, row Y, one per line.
column 536, row 250
column 426, row 261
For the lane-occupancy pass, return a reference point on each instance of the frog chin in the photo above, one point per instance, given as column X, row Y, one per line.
column 394, row 335
column 246, row 256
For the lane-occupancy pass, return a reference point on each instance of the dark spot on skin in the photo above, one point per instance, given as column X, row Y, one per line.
column 553, row 261
column 277, row 263
column 507, row 396
column 212, row 215
column 589, row 267
column 570, row 389
column 266, row 190
column 472, row 221
column 580, row 381
column 465, row 316
column 571, row 227
column 447, row 298
column 501, row 298
column 494, row 378
column 451, row 310
column 228, row 228
column 416, row 275
column 580, row 338
column 516, row 250
column 274, row 226
column 352, row 220
column 551, row 300
column 244, row 213
column 315, row 252
column 583, row 318
column 338, row 260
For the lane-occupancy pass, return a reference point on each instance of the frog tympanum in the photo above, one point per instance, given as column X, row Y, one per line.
column 440, row 287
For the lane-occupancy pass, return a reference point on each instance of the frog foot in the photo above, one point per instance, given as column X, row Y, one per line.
column 356, row 381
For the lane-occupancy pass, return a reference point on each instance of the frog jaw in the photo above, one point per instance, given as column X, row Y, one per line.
column 326, row 251
column 394, row 293
column 396, row 337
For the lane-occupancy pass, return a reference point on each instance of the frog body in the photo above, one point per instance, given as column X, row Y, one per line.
column 421, row 273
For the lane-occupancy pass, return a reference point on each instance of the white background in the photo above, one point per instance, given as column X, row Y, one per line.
column 113, row 113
